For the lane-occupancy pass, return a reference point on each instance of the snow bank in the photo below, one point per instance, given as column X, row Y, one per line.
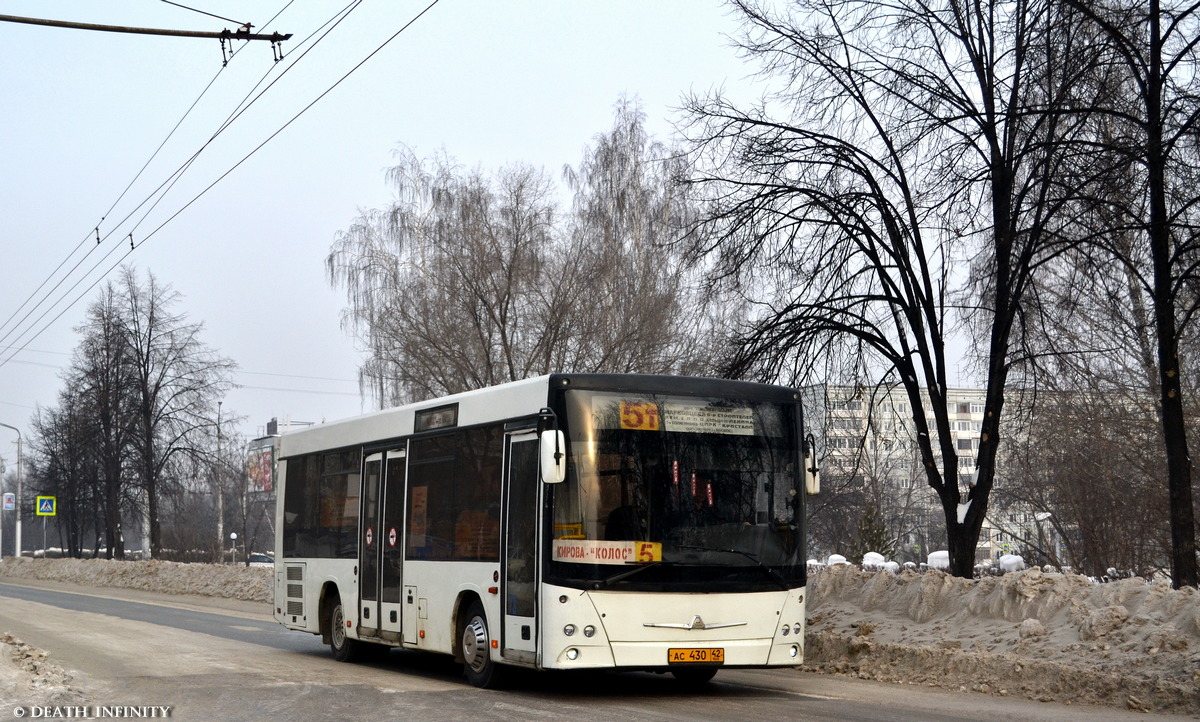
column 210, row 580
column 1044, row 636
column 26, row 673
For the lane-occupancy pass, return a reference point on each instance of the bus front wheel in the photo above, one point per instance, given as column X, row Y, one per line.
column 476, row 648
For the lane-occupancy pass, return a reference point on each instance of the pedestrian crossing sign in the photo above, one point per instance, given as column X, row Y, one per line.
column 45, row 505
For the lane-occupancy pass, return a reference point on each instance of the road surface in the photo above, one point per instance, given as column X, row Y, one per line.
column 210, row 659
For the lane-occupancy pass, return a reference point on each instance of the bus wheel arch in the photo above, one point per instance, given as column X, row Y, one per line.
column 329, row 597
column 461, row 606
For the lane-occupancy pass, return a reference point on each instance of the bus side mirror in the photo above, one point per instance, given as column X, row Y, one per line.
column 553, row 456
column 812, row 474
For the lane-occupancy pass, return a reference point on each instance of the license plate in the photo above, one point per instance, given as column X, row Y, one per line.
column 694, row 655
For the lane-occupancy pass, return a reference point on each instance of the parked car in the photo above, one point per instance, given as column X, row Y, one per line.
column 262, row 560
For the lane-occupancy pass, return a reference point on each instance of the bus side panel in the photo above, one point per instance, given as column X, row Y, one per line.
column 298, row 588
column 435, row 592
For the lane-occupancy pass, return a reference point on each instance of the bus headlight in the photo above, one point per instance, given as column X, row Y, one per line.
column 796, row 629
column 786, row 630
column 569, row 630
column 573, row 654
column 794, row 651
column 589, row 631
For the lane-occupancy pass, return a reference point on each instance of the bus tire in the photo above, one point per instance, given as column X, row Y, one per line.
column 475, row 645
column 694, row 676
column 344, row 649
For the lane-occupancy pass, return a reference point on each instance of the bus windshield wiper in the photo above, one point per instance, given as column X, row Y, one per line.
column 771, row 573
column 602, row 583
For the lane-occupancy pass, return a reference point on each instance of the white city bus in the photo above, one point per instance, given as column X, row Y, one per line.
column 570, row 521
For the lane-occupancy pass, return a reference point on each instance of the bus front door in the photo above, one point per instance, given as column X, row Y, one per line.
column 519, row 612
column 382, row 507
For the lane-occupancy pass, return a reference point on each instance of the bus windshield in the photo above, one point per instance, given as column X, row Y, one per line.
column 677, row 493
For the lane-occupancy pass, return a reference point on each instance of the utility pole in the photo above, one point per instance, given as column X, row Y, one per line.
column 242, row 33
column 19, row 442
column 220, row 492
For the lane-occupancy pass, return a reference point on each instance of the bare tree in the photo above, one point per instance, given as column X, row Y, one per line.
column 63, row 464
column 469, row 279
column 909, row 140
column 444, row 287
column 177, row 380
column 138, row 399
column 102, row 360
column 636, row 308
column 1085, row 463
column 1157, row 46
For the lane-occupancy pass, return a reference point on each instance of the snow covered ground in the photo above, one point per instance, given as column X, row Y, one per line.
column 1044, row 636
column 1052, row 637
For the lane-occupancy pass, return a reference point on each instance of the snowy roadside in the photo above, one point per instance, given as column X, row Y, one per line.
column 1042, row 636
column 28, row 673
column 209, row 580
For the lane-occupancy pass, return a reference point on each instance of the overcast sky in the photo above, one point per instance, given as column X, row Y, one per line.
column 492, row 82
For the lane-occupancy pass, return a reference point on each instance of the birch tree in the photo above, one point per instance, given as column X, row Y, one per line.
column 472, row 278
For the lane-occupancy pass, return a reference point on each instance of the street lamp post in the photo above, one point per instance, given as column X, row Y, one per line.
column 19, row 442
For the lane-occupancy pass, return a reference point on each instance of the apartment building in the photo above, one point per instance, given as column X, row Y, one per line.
column 866, row 439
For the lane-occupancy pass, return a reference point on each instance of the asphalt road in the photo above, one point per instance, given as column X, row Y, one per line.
column 225, row 660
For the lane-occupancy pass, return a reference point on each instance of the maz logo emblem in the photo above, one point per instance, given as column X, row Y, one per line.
column 696, row 623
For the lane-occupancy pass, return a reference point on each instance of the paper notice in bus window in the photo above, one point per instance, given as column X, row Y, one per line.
column 420, row 503
column 689, row 419
column 590, row 551
column 639, row 415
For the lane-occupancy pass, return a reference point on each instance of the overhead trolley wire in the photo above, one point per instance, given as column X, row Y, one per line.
column 134, row 244
column 169, row 182
column 218, row 17
column 88, row 236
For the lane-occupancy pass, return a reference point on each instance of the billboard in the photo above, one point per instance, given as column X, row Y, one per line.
column 260, row 468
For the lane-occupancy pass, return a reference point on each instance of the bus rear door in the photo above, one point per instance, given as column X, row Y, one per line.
column 380, row 544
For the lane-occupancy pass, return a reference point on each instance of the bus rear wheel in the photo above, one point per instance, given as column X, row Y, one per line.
column 344, row 649
column 476, row 647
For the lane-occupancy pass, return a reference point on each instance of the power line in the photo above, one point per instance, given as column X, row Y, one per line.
column 171, row 180
column 302, row 391
column 134, row 245
column 298, row 376
column 122, row 195
column 202, row 12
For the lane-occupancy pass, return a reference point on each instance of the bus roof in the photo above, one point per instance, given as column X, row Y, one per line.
column 505, row 401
